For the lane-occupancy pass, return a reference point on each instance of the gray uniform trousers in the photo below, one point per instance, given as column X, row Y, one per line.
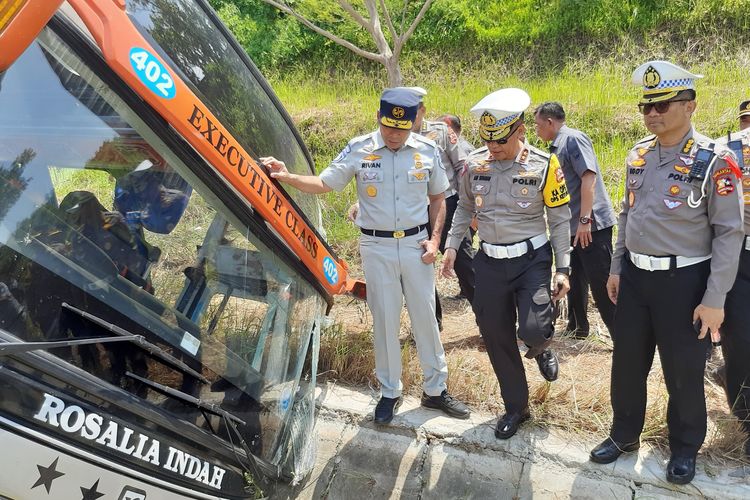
column 394, row 269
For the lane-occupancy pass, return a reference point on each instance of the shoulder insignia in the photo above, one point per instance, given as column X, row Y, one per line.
column 432, row 135
column 688, row 146
column 524, row 158
column 555, row 190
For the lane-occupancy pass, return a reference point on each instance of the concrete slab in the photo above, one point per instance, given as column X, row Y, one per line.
column 375, row 464
column 454, row 473
column 424, row 454
column 545, row 481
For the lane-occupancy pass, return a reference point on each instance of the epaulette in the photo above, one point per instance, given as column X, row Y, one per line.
column 648, row 138
column 537, row 151
column 424, row 139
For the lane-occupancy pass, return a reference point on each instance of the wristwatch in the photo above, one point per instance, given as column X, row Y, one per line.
column 585, row 220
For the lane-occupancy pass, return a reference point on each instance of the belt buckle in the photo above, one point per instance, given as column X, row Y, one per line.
column 398, row 234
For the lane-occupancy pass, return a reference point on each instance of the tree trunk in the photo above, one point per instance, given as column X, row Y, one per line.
column 393, row 69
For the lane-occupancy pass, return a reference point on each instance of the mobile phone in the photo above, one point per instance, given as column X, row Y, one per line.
column 700, row 163
column 736, row 147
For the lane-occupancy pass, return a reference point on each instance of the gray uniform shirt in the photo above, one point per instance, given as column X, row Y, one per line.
column 657, row 218
column 452, row 156
column 392, row 187
column 743, row 136
column 576, row 154
column 508, row 198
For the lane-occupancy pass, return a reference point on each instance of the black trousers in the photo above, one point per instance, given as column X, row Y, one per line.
column 589, row 268
column 655, row 308
column 735, row 342
column 506, row 290
column 463, row 266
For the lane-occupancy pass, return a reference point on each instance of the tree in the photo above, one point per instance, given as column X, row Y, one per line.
column 388, row 51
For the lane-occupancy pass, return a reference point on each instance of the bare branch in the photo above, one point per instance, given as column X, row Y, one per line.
column 365, row 23
column 389, row 21
column 377, row 32
column 344, row 43
column 399, row 44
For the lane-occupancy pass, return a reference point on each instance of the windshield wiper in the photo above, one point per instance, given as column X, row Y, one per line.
column 260, row 468
column 139, row 340
column 19, row 347
column 209, row 407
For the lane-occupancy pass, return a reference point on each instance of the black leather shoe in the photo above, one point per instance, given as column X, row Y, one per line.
column 609, row 450
column 681, row 470
column 384, row 410
column 509, row 424
column 447, row 404
column 548, row 365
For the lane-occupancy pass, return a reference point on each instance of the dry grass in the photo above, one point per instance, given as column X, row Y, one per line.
column 577, row 403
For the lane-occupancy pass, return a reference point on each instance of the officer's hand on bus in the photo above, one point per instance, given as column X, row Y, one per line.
column 430, row 251
column 583, row 235
column 276, row 168
column 613, row 287
column 449, row 258
column 710, row 318
column 353, row 211
column 560, row 287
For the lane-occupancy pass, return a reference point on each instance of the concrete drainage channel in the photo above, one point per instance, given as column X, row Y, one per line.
column 424, row 455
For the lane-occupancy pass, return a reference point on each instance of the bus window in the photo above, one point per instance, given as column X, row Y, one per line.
column 98, row 215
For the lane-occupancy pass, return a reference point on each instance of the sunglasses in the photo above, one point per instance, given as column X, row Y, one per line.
column 660, row 107
column 505, row 139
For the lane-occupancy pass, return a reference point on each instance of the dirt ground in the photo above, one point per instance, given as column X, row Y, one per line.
column 578, row 402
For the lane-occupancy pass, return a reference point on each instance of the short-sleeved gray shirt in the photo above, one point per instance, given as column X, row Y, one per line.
column 576, row 154
column 392, row 186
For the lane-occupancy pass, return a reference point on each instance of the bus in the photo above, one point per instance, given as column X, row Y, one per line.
column 161, row 297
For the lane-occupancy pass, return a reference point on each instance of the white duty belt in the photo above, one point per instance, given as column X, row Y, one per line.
column 651, row 263
column 747, row 242
column 514, row 250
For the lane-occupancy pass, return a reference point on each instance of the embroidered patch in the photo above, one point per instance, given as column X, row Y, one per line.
column 372, row 191
column 631, row 198
column 372, row 157
column 418, row 164
column 682, row 170
column 672, row 204
column 417, row 157
column 674, row 190
column 687, row 160
column 724, row 186
column 523, row 204
column 478, row 201
column 638, row 162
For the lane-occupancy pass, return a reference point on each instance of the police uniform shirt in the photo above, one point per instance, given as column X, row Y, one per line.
column 657, row 218
column 743, row 136
column 451, row 155
column 509, row 199
column 576, row 154
column 392, row 187
column 465, row 146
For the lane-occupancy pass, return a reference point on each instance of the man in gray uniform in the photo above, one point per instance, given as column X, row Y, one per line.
column 735, row 332
column 511, row 186
column 744, row 115
column 591, row 219
column 680, row 233
column 396, row 173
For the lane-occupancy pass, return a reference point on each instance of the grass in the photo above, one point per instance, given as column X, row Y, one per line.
column 336, row 105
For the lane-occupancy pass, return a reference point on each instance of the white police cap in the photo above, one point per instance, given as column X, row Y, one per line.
column 499, row 111
column 662, row 80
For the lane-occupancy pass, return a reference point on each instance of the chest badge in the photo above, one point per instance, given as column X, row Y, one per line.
column 372, row 157
column 478, row 201
column 372, row 191
column 638, row 162
column 672, row 204
column 631, row 198
column 683, row 170
column 523, row 204
column 674, row 190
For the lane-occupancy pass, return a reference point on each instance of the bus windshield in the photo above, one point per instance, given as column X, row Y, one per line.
column 224, row 83
column 96, row 212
